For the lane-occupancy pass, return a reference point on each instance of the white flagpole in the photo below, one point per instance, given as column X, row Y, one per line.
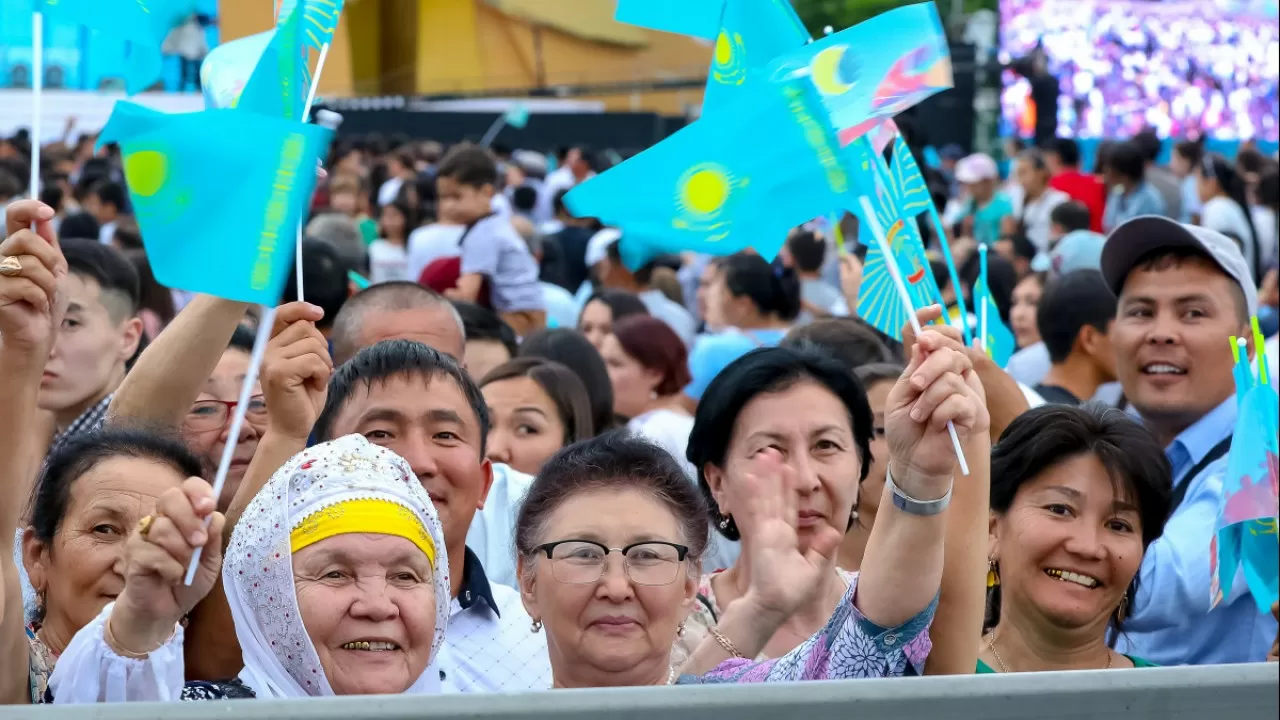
column 982, row 310
column 869, row 215
column 492, row 133
column 37, row 91
column 306, row 115
column 237, row 419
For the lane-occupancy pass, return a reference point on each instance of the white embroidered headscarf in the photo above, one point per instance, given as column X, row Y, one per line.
column 257, row 573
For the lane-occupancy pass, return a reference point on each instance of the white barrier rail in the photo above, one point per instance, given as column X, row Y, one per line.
column 1237, row 692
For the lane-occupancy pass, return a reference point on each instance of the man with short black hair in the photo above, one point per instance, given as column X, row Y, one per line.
column 421, row 404
column 1074, row 318
column 806, row 251
column 1062, row 156
column 107, row 202
column 396, row 310
column 98, row 336
column 1183, row 291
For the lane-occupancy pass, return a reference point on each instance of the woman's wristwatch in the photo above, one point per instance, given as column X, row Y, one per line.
column 908, row 504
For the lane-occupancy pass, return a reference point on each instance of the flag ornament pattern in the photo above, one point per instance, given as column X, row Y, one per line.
column 999, row 342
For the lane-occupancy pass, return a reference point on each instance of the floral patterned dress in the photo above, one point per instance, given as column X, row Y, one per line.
column 850, row 646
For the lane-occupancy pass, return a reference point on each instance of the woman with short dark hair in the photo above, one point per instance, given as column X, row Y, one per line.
column 1077, row 496
column 778, row 443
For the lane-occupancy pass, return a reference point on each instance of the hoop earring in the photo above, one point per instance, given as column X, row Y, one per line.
column 993, row 573
column 536, row 627
column 1122, row 610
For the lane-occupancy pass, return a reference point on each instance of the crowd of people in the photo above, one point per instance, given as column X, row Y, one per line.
column 477, row 404
column 1185, row 67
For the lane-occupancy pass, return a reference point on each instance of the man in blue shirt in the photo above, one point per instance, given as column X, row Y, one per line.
column 1183, row 290
column 1131, row 195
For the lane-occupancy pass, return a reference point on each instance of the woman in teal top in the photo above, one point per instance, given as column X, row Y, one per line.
column 1077, row 495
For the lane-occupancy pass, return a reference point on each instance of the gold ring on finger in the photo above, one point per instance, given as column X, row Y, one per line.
column 144, row 526
column 10, row 266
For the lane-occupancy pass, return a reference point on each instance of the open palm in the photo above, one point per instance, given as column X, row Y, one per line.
column 783, row 576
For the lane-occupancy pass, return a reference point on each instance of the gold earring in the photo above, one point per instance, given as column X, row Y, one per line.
column 1122, row 611
column 993, row 573
column 536, row 627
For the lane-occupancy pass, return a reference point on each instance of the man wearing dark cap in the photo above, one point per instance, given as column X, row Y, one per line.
column 1183, row 290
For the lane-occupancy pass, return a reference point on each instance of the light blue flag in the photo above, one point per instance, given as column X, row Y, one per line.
column 875, row 69
column 233, row 240
column 319, row 19
column 752, row 33
column 699, row 18
column 226, row 69
column 281, row 79
column 999, row 342
column 144, row 24
column 878, row 300
column 517, row 116
column 1246, row 537
column 714, row 188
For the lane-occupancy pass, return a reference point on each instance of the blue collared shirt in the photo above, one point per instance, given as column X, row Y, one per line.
column 1171, row 622
column 1121, row 206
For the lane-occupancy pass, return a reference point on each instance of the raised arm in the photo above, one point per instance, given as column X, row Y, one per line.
column 902, row 568
column 167, row 377
column 31, row 307
column 295, row 378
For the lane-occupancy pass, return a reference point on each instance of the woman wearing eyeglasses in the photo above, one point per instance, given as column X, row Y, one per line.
column 611, row 536
column 207, row 425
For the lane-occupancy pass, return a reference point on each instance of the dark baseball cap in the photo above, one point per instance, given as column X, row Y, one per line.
column 1141, row 235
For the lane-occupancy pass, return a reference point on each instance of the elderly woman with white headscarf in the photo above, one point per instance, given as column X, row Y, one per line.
column 336, row 576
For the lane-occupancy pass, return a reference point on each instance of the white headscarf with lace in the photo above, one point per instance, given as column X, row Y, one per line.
column 257, row 573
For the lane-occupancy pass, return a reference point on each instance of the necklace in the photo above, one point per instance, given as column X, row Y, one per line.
column 991, row 645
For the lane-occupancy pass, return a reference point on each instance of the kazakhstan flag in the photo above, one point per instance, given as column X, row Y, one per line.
column 233, row 240
column 143, row 23
column 226, row 69
column 319, row 19
column 282, row 78
column 714, row 188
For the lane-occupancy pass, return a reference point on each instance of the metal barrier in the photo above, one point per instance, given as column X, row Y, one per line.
column 1238, row 692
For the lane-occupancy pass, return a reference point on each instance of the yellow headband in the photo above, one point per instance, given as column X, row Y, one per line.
column 383, row 517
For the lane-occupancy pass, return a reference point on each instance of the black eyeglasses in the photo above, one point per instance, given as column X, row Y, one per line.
column 581, row 562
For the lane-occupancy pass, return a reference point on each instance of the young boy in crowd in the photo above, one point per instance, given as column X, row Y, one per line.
column 490, row 249
column 1074, row 318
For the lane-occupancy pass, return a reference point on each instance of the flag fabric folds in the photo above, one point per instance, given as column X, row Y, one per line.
column 751, row 34
column 144, row 24
column 319, row 19
column 281, row 79
column 517, row 116
column 226, row 69
column 230, row 240
column 1246, row 539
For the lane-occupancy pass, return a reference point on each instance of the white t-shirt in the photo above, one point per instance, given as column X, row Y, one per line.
column 1035, row 216
column 388, row 262
column 668, row 430
column 430, row 243
column 1225, row 216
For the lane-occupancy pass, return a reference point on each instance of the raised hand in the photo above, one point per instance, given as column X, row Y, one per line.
column 783, row 575
column 156, row 557
column 31, row 271
column 295, row 370
column 938, row 386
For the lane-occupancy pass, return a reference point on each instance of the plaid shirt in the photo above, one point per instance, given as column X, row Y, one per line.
column 90, row 421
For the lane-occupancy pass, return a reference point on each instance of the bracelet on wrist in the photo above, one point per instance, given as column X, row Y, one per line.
column 110, row 638
column 910, row 505
column 725, row 643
